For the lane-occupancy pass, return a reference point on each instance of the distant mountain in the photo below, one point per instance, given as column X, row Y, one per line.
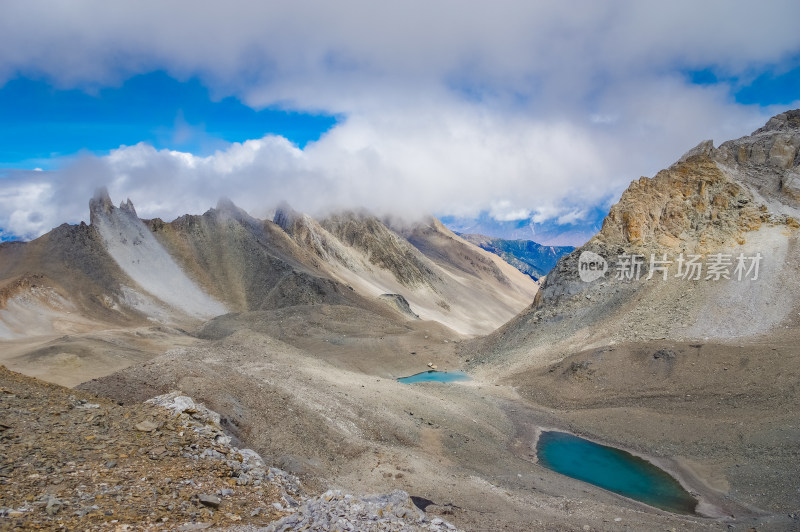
column 527, row 256
column 547, row 233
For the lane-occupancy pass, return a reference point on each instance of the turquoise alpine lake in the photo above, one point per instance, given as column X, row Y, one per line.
column 614, row 470
column 436, row 376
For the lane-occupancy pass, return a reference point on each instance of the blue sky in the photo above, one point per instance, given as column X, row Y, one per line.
column 776, row 84
column 513, row 114
column 40, row 124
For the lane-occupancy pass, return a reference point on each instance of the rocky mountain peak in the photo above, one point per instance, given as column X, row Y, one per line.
column 101, row 207
column 767, row 162
column 127, row 206
column 228, row 209
column 691, row 205
column 704, row 148
column 711, row 199
column 285, row 216
column 788, row 121
column 226, row 205
column 713, row 195
column 100, row 204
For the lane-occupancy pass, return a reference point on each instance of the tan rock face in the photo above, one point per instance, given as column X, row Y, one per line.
column 712, row 196
column 690, row 204
column 706, row 202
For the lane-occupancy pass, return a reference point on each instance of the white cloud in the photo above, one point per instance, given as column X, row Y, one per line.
column 571, row 217
column 449, row 108
column 23, row 206
column 504, row 211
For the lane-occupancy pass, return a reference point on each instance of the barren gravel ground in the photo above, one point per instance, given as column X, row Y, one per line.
column 74, row 461
column 328, row 409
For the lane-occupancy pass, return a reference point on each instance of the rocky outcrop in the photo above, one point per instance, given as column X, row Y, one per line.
column 334, row 510
column 285, row 217
column 767, row 161
column 73, row 460
column 99, row 205
column 710, row 200
column 712, row 196
column 691, row 206
column 400, row 304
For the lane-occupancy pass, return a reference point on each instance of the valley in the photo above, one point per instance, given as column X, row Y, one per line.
column 295, row 330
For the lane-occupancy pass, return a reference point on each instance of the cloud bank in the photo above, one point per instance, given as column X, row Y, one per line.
column 524, row 109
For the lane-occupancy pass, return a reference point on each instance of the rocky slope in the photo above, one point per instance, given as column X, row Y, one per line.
column 443, row 278
column 76, row 461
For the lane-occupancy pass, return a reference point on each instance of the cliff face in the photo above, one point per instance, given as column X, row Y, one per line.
column 712, row 200
column 713, row 195
column 692, row 206
column 768, row 161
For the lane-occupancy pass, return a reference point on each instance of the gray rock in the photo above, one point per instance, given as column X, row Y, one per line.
column 212, row 501
column 790, row 184
column 335, row 510
column 147, row 426
column 52, row 505
column 704, row 148
column 193, row 526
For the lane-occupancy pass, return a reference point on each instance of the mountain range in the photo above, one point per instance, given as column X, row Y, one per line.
column 527, row 256
column 574, row 228
column 123, row 271
column 670, row 334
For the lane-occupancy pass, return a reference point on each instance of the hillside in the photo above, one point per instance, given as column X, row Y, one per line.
column 714, row 200
column 163, row 465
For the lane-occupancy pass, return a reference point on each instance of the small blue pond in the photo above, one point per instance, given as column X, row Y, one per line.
column 436, row 376
column 613, row 469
